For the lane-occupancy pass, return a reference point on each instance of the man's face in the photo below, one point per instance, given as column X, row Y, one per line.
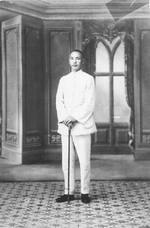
column 75, row 61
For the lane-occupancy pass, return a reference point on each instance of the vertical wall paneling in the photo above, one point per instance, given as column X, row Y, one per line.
column 11, row 86
column 23, row 89
column 33, row 87
column 12, row 89
column 60, row 38
column 0, row 96
column 145, row 81
column 142, row 92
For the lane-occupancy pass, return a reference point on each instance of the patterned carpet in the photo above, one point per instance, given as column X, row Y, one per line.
column 115, row 204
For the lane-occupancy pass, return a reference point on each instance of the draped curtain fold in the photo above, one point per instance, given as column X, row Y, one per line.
column 129, row 53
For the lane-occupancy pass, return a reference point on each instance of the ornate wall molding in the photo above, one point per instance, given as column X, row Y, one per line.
column 146, row 137
column 33, row 140
column 11, row 138
column 54, row 138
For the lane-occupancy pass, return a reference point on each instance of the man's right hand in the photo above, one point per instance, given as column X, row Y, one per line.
column 69, row 121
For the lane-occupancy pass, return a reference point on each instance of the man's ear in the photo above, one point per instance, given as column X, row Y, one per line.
column 83, row 62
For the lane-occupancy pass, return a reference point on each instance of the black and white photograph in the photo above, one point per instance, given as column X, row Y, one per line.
column 74, row 114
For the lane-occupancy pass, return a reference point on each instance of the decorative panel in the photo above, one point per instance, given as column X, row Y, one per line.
column 59, row 49
column 0, row 95
column 11, row 138
column 33, row 139
column 102, row 136
column 121, row 136
column 34, row 79
column 23, row 88
column 12, row 79
column 146, row 137
column 54, row 137
column 11, row 86
column 145, row 79
column 12, row 89
column 142, row 88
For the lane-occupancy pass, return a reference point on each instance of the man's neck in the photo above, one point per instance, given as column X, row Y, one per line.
column 75, row 71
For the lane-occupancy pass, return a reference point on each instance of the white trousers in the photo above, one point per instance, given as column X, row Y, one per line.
column 82, row 145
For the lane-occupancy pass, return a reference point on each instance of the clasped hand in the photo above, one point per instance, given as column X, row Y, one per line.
column 69, row 121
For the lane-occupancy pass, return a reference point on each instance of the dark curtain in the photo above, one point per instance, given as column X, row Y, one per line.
column 129, row 56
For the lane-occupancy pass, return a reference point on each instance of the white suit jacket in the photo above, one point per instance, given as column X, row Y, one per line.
column 76, row 97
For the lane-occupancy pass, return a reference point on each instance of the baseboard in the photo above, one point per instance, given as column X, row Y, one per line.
column 13, row 156
column 142, row 154
column 33, row 156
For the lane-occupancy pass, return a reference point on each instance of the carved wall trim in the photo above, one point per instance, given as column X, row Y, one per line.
column 146, row 137
column 54, row 137
column 11, row 138
column 33, row 139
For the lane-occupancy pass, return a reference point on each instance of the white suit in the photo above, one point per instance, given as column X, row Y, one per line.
column 76, row 97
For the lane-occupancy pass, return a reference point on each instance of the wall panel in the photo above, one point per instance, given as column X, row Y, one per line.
column 12, row 81
column 145, row 78
column 33, row 86
column 59, row 52
column 23, row 89
column 60, row 37
column 12, row 89
column 142, row 91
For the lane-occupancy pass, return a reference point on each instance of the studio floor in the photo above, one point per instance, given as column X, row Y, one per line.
column 103, row 167
column 120, row 192
column 115, row 204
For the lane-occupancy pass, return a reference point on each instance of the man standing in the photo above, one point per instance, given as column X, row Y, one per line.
column 75, row 101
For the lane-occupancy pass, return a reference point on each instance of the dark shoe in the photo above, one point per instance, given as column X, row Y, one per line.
column 65, row 198
column 85, row 198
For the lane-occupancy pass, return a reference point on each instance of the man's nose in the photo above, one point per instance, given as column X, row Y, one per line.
column 74, row 60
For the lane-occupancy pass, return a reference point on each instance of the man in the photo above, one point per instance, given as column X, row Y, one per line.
column 75, row 100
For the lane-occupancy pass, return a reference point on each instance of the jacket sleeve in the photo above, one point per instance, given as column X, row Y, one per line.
column 60, row 105
column 84, row 111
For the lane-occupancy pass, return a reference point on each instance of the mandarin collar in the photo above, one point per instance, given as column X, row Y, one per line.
column 75, row 73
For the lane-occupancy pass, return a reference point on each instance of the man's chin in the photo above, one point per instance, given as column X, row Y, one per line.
column 75, row 68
